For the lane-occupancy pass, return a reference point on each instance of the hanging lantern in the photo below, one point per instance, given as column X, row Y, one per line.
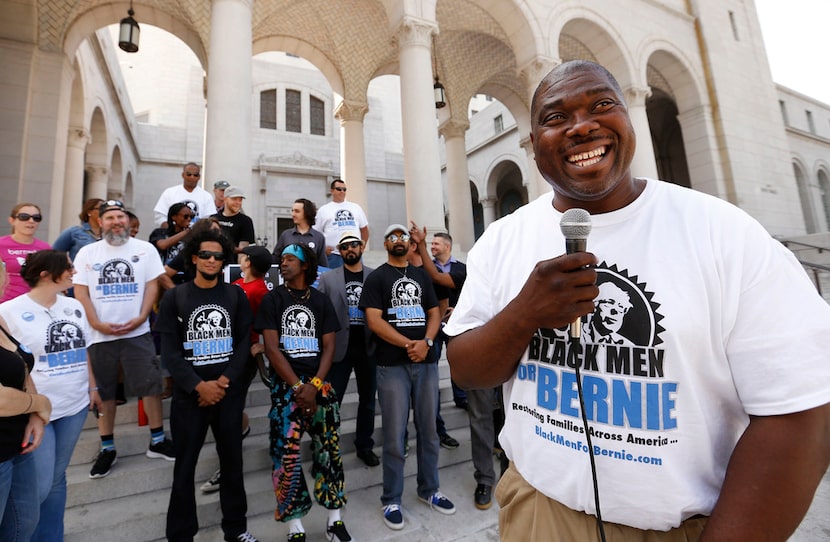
column 128, row 33
column 438, row 92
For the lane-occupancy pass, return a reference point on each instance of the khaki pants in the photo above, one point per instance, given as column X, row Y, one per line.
column 527, row 515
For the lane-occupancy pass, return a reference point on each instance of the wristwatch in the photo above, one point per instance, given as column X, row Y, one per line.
column 429, row 341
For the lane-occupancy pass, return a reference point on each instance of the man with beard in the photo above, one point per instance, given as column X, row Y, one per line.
column 715, row 426
column 238, row 226
column 207, row 366
column 117, row 306
column 344, row 285
column 402, row 312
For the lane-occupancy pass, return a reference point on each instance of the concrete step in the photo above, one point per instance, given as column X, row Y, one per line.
column 132, row 500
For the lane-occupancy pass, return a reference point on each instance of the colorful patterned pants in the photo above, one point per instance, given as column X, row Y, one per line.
column 288, row 423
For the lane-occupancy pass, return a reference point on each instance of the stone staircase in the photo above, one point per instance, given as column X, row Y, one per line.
column 131, row 503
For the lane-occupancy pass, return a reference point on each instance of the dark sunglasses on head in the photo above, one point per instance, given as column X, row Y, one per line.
column 188, row 174
column 24, row 217
column 208, row 254
column 340, row 188
column 394, row 237
column 350, row 244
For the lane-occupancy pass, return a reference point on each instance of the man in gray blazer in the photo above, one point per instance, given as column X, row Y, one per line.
column 344, row 285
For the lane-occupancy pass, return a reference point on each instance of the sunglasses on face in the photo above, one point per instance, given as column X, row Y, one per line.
column 394, row 238
column 207, row 254
column 25, row 217
column 340, row 188
column 351, row 244
column 188, row 174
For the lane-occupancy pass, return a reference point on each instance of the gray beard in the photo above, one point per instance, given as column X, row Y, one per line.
column 115, row 239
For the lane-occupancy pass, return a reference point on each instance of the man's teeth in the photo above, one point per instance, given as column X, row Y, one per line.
column 585, row 159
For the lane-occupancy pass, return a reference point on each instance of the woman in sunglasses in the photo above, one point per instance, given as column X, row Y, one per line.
column 24, row 219
column 170, row 240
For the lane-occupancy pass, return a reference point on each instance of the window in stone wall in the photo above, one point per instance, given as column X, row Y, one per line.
column 811, row 125
column 498, row 124
column 268, row 109
column 293, row 111
column 318, row 116
column 783, row 106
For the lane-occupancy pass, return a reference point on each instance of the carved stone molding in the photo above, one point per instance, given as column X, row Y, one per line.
column 78, row 138
column 637, row 95
column 295, row 159
column 349, row 110
column 413, row 31
column 533, row 72
column 454, row 128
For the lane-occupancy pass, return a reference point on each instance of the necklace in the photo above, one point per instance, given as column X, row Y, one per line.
column 300, row 299
column 398, row 269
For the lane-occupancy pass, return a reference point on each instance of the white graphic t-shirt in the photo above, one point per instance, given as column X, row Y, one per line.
column 57, row 337
column 702, row 319
column 200, row 202
column 116, row 278
column 334, row 219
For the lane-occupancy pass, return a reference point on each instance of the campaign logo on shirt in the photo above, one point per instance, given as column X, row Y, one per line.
column 65, row 346
column 345, row 219
column 298, row 337
column 353, row 291
column 406, row 310
column 193, row 207
column 622, row 364
column 117, row 277
column 209, row 335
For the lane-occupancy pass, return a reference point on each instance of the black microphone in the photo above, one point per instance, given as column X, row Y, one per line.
column 575, row 225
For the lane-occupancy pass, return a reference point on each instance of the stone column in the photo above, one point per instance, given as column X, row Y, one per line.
column 532, row 73
column 73, row 186
column 228, row 132
column 535, row 183
column 458, row 185
column 422, row 165
column 98, row 177
column 644, row 164
column 488, row 206
column 352, row 150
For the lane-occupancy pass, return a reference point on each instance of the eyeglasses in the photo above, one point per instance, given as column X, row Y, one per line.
column 351, row 244
column 394, row 238
column 188, row 174
column 25, row 217
column 340, row 188
column 207, row 254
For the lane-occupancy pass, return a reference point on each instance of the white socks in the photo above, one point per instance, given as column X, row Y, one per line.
column 334, row 515
column 295, row 526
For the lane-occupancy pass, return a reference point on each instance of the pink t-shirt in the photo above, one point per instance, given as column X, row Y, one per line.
column 14, row 254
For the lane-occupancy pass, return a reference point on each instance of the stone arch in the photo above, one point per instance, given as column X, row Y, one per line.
column 478, row 211
column 87, row 22
column 77, row 140
column 679, row 118
column 115, row 183
column 505, row 183
column 583, row 34
column 129, row 191
column 307, row 51
column 96, row 158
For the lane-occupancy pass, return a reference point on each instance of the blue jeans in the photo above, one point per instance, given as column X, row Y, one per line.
column 335, row 260
column 51, row 460
column 400, row 386
column 18, row 498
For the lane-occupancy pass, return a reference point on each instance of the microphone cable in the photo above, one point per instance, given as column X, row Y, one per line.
column 575, row 343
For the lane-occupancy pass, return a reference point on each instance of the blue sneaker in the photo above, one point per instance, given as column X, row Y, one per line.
column 438, row 502
column 392, row 516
